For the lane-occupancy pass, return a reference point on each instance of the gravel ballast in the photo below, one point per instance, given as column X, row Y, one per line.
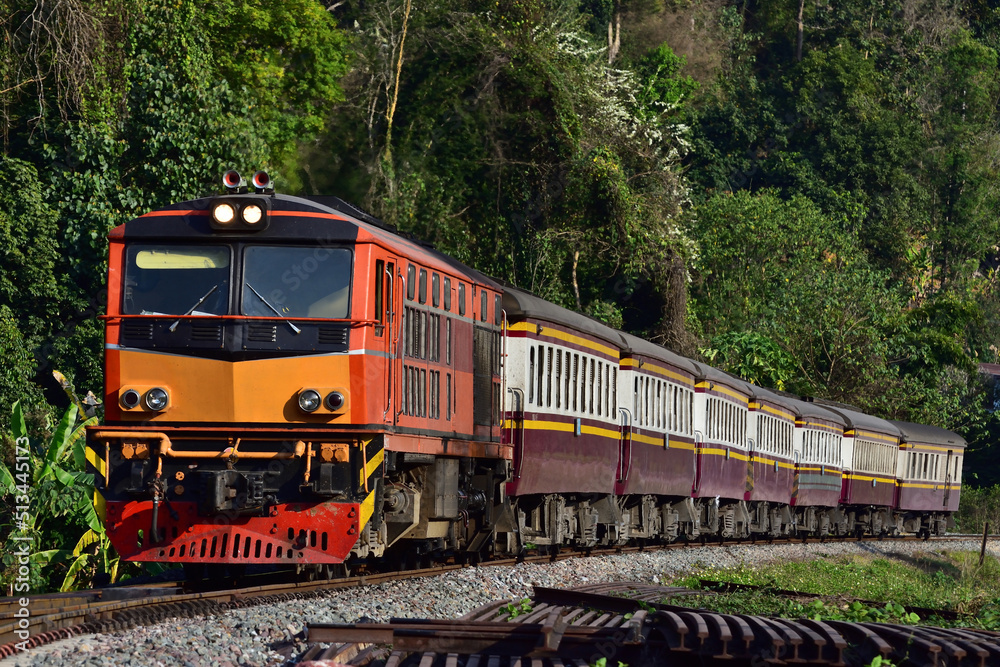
column 243, row 636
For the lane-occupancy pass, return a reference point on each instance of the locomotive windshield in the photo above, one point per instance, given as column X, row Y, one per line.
column 165, row 280
column 297, row 282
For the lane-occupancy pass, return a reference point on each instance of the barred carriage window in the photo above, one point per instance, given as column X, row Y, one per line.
column 689, row 411
column 635, row 398
column 576, row 380
column 598, row 390
column 607, row 390
column 541, row 372
column 614, row 390
column 558, row 378
column 548, row 379
column 567, row 376
column 531, row 374
column 659, row 405
column 590, row 389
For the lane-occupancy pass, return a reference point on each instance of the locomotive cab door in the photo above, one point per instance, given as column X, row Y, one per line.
column 391, row 315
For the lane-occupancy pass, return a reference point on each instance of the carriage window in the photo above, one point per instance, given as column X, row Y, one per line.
column 411, row 282
column 461, row 298
column 482, row 305
column 164, row 280
column 548, row 379
column 435, row 290
column 531, row 374
column 447, row 293
column 576, row 378
column 559, row 378
column 379, row 282
column 423, row 286
column 291, row 282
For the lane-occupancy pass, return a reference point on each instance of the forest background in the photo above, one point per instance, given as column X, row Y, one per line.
column 804, row 194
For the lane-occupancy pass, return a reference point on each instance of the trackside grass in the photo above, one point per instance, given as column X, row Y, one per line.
column 952, row 581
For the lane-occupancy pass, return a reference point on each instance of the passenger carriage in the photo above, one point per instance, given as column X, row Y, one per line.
column 771, row 465
column 657, row 462
column 721, row 409
column 563, row 422
column 870, row 455
column 929, row 473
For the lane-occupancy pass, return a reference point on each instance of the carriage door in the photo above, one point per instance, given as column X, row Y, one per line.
column 625, row 446
column 947, row 478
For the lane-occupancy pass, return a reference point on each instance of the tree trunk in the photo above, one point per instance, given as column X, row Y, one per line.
column 798, row 39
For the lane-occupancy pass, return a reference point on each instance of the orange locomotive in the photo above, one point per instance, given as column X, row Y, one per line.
column 265, row 405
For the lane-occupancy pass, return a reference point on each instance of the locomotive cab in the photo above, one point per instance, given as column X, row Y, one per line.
column 273, row 367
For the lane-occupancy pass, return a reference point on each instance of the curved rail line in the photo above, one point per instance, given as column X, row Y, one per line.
column 61, row 615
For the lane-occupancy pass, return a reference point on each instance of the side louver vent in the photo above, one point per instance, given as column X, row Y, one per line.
column 206, row 332
column 262, row 333
column 333, row 335
column 134, row 330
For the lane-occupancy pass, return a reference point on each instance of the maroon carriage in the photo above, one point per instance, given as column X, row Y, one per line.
column 819, row 458
column 870, row 453
column 657, row 400
column 721, row 408
column 930, row 473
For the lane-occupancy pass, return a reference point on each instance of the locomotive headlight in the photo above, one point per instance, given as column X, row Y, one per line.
column 309, row 400
column 252, row 214
column 157, row 399
column 129, row 399
column 223, row 213
column 334, row 401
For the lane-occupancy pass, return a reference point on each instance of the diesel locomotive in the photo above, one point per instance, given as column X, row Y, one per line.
column 289, row 381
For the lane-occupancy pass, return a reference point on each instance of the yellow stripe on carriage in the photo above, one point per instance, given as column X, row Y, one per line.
column 568, row 337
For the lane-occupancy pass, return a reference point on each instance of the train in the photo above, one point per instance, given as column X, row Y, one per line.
column 292, row 382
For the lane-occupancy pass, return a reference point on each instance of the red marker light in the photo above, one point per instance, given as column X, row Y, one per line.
column 232, row 179
column 261, row 181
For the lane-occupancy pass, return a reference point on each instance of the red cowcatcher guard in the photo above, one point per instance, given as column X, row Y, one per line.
column 294, row 533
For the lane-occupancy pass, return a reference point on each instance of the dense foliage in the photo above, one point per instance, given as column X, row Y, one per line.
column 803, row 194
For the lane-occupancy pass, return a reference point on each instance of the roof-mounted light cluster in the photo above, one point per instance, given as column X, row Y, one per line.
column 242, row 214
column 236, row 185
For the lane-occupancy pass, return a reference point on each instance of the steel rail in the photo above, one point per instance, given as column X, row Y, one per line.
column 99, row 610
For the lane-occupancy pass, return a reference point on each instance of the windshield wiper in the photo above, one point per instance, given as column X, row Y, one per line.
column 200, row 301
column 273, row 309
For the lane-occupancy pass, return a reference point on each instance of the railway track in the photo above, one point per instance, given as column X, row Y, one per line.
column 633, row 624
column 61, row 615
